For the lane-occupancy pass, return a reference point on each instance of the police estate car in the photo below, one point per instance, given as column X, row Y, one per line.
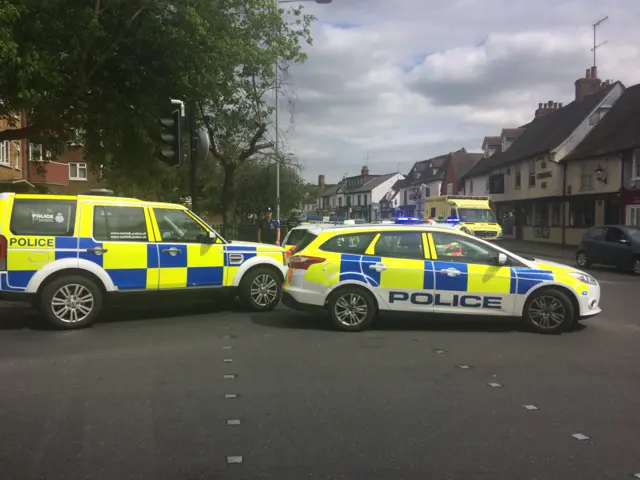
column 65, row 254
column 355, row 273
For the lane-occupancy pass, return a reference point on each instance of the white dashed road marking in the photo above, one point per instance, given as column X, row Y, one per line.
column 229, row 376
column 580, row 436
column 464, row 367
column 227, row 360
column 530, row 407
column 494, row 385
column 440, row 351
column 636, row 475
column 230, row 395
column 233, row 422
column 226, row 347
column 236, row 459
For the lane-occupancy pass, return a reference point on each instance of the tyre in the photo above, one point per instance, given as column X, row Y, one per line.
column 261, row 289
column 352, row 309
column 582, row 260
column 71, row 302
column 636, row 266
column 549, row 311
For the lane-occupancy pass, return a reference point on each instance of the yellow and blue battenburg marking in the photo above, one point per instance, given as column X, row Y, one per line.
column 473, row 278
column 131, row 265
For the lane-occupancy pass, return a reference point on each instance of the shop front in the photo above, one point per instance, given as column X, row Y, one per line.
column 630, row 207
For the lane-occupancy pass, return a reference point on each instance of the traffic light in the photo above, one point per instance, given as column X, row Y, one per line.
column 171, row 138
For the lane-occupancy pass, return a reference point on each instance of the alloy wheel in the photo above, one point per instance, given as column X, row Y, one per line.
column 264, row 290
column 72, row 303
column 351, row 309
column 546, row 312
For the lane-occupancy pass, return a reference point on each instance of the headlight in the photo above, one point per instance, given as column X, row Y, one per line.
column 584, row 278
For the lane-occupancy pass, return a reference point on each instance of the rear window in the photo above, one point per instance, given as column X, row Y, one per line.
column 295, row 236
column 51, row 218
column 305, row 241
column 355, row 243
column 595, row 233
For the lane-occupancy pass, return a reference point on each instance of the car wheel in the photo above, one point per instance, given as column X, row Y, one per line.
column 582, row 260
column 352, row 309
column 549, row 311
column 636, row 266
column 71, row 302
column 261, row 289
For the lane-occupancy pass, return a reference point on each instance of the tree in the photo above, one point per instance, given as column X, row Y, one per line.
column 106, row 69
column 255, row 179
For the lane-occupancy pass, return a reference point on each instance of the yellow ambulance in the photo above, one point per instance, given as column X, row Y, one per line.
column 472, row 214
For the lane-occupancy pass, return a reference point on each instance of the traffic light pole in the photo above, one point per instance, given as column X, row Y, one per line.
column 193, row 155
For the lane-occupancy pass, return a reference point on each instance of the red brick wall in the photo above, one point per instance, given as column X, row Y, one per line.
column 11, row 172
column 449, row 177
column 73, row 187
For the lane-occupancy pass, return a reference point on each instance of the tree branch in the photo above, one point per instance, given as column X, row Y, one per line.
column 253, row 144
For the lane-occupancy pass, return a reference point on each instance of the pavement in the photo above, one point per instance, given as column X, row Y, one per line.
column 179, row 392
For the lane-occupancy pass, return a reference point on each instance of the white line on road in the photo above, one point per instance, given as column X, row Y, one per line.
column 236, row 459
column 227, row 360
column 464, row 367
column 494, row 385
column 580, row 436
column 530, row 407
column 226, row 347
column 230, row 395
column 233, row 422
column 229, row 375
column 637, row 475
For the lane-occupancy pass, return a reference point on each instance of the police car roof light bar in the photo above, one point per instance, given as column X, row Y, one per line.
column 406, row 220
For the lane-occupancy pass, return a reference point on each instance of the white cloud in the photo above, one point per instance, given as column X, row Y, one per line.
column 404, row 80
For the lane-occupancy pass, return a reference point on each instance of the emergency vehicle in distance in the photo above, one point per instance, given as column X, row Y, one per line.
column 68, row 254
column 473, row 214
column 354, row 273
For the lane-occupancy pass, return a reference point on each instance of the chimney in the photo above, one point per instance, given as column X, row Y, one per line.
column 588, row 85
column 365, row 174
column 321, row 180
column 546, row 108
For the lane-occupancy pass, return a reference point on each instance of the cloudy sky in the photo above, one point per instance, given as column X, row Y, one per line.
column 405, row 80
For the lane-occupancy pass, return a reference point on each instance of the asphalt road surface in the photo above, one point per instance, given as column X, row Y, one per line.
column 191, row 393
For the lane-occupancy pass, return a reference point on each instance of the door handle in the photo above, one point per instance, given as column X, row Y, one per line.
column 378, row 267
column 172, row 251
column 97, row 251
column 451, row 272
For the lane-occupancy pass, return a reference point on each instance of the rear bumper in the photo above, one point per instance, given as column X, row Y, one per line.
column 292, row 303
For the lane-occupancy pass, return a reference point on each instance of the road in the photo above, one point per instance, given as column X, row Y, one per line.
column 195, row 394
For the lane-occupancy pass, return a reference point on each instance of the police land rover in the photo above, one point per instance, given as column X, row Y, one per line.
column 68, row 254
column 355, row 273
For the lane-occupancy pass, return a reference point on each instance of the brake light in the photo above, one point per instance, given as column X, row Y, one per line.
column 3, row 253
column 303, row 263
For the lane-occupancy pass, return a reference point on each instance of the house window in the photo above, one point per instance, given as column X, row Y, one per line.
column 449, row 188
column 582, row 213
column 339, row 201
column 541, row 218
column 586, row 177
column 349, row 201
column 518, row 179
column 635, row 170
column 4, row 154
column 16, row 155
column 364, row 199
column 556, row 209
column 406, row 197
column 532, row 174
column 470, row 187
column 543, row 164
column 487, row 186
column 359, row 200
column 77, row 171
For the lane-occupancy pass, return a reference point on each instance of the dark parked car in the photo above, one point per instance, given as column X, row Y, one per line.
column 611, row 245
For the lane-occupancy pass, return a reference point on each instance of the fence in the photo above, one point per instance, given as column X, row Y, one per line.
column 244, row 233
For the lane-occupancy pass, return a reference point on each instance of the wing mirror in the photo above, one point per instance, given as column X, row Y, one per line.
column 502, row 259
column 210, row 237
column 624, row 241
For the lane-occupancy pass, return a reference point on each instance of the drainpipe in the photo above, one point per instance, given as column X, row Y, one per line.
column 564, row 202
column 26, row 145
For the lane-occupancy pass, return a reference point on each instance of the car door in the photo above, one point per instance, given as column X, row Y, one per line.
column 468, row 279
column 594, row 245
column 405, row 275
column 618, row 249
column 116, row 237
column 186, row 259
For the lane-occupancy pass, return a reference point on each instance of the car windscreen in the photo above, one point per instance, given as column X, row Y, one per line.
column 480, row 215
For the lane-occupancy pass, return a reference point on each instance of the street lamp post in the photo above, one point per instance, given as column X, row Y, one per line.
column 277, row 141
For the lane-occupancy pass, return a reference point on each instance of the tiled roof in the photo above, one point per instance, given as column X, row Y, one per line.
column 512, row 133
column 491, row 142
column 463, row 162
column 371, row 184
column 544, row 133
column 618, row 130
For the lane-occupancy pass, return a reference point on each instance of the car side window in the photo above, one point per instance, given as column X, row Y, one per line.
column 596, row 233
column 50, row 218
column 455, row 248
column 614, row 235
column 119, row 224
column 400, row 245
column 178, row 226
column 355, row 243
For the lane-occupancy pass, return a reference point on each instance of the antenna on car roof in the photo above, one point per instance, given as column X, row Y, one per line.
column 100, row 192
